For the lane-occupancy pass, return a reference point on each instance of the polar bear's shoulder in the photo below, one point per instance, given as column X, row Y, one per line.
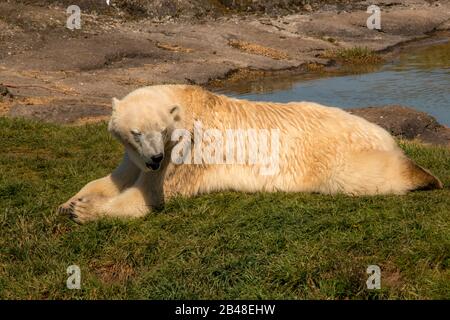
column 156, row 90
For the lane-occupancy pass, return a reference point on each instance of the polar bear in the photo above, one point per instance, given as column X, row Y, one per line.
column 318, row 149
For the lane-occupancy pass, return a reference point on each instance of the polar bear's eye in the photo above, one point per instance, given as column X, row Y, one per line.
column 135, row 133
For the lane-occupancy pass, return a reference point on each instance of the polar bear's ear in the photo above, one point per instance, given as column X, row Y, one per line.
column 175, row 112
column 115, row 102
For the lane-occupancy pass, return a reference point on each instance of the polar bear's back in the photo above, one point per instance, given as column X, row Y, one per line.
column 300, row 120
column 303, row 120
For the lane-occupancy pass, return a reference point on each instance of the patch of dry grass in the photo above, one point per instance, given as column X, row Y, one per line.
column 356, row 55
column 257, row 49
column 173, row 47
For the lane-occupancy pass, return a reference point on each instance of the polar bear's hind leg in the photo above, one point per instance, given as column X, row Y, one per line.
column 374, row 172
column 421, row 178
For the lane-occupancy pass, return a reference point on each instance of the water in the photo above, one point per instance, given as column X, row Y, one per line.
column 418, row 78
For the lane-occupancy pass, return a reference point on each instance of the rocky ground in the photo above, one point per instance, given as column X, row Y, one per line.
column 407, row 123
column 55, row 74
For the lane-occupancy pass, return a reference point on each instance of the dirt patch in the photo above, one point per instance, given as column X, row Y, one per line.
column 113, row 272
column 391, row 276
column 60, row 111
column 6, row 105
column 91, row 119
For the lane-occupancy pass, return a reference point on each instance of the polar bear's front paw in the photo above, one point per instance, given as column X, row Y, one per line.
column 83, row 209
column 65, row 208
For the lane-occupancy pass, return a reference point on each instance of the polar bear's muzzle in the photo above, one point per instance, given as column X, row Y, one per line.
column 155, row 161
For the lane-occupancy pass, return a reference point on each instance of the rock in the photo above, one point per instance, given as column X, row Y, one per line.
column 406, row 123
column 307, row 7
column 60, row 112
column 4, row 93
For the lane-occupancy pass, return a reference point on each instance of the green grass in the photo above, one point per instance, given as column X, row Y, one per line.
column 227, row 245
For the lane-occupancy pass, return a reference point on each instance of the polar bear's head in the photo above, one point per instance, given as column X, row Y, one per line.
column 143, row 123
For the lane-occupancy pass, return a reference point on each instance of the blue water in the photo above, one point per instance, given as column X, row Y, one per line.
column 418, row 78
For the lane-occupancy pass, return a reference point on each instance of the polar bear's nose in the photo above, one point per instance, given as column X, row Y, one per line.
column 157, row 158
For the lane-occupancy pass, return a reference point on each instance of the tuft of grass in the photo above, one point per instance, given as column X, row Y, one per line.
column 315, row 67
column 356, row 55
column 218, row 246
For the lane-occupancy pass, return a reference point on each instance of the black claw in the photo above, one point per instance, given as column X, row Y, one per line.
column 62, row 210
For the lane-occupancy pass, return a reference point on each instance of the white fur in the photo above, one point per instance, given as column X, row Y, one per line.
column 322, row 149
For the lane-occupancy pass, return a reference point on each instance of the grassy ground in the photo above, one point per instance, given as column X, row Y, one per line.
column 227, row 245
